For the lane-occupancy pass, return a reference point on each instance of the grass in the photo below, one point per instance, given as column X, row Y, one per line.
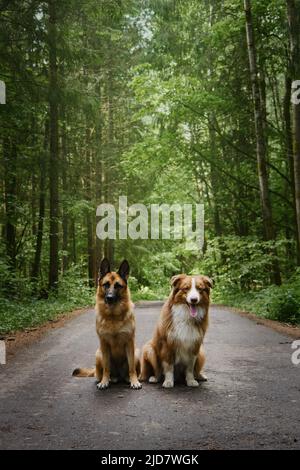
column 146, row 293
column 16, row 315
column 25, row 312
column 275, row 303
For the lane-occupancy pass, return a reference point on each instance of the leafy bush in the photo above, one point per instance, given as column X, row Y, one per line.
column 275, row 303
column 73, row 287
column 240, row 268
column 284, row 306
column 146, row 293
column 151, row 280
column 18, row 314
column 282, row 303
column 241, row 263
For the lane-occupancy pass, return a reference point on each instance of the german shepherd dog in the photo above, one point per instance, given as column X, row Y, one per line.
column 176, row 349
column 116, row 358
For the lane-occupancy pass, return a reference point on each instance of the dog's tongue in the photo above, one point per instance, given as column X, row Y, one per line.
column 193, row 311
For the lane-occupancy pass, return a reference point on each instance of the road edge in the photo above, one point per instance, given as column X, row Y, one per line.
column 23, row 338
column 282, row 328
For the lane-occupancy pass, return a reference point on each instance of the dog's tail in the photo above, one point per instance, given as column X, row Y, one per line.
column 84, row 372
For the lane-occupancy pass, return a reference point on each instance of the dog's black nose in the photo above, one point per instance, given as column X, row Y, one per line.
column 110, row 299
column 194, row 300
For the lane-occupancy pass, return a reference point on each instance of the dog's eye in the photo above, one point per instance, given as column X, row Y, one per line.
column 202, row 289
column 118, row 286
column 106, row 285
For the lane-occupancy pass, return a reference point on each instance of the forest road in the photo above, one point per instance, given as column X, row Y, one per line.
column 251, row 401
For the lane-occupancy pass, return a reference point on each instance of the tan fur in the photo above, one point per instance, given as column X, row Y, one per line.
column 116, row 357
column 84, row 372
column 168, row 348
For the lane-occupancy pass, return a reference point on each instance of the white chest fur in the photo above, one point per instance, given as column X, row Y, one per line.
column 185, row 332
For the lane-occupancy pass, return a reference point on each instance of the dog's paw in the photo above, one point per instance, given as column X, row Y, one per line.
column 202, row 378
column 168, row 384
column 136, row 385
column 102, row 385
column 153, row 380
column 192, row 383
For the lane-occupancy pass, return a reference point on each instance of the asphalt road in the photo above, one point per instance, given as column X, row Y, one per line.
column 251, row 401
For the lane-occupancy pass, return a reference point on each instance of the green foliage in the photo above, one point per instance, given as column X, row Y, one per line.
column 25, row 312
column 5, row 272
column 155, row 102
column 241, row 263
column 147, row 293
column 283, row 303
column 275, row 303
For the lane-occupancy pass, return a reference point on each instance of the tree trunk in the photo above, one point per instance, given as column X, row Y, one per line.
column 293, row 13
column 214, row 180
column 109, row 244
column 65, row 216
column 53, row 170
column 99, row 178
column 260, row 142
column 289, row 150
column 99, row 198
column 73, row 239
column 40, row 229
column 33, row 184
column 89, row 220
column 10, row 186
column 212, row 140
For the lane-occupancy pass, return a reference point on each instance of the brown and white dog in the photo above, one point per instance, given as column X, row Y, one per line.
column 176, row 347
column 116, row 358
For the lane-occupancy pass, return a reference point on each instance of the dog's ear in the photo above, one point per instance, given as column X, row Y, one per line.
column 175, row 280
column 104, row 268
column 124, row 270
column 208, row 281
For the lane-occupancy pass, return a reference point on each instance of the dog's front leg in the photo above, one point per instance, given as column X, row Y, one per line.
column 130, row 350
column 105, row 349
column 189, row 375
column 169, row 375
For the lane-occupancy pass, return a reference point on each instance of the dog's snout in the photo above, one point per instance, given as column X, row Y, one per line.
column 194, row 300
column 110, row 298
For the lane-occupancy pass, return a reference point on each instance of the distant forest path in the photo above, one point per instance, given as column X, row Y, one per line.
column 251, row 401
